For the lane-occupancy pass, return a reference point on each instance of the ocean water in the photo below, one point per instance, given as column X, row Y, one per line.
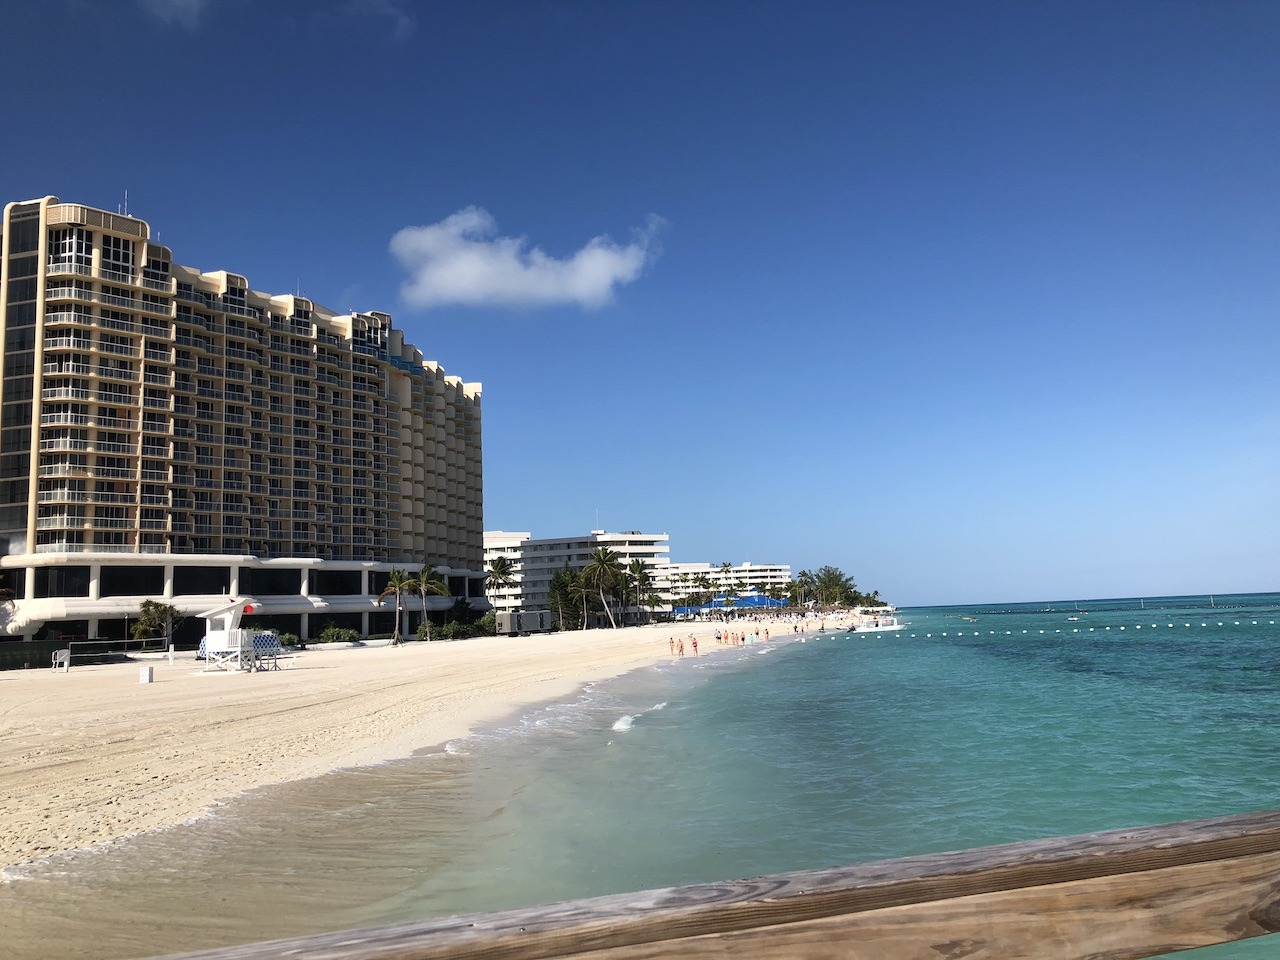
column 973, row 726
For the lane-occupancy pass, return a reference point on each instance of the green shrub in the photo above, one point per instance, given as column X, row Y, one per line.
column 334, row 634
column 291, row 640
column 452, row 631
column 487, row 626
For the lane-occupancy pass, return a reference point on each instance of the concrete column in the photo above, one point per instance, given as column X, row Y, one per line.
column 168, row 581
column 364, row 624
column 95, row 581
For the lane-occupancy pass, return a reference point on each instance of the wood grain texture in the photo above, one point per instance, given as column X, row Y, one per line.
column 1105, row 896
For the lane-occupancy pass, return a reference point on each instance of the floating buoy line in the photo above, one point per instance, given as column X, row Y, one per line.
column 1137, row 626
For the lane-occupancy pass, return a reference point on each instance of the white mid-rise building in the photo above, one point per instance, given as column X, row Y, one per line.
column 535, row 562
column 677, row 581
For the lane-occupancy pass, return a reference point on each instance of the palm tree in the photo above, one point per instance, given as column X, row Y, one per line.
column 803, row 585
column 398, row 584
column 833, row 586
column 502, row 572
column 582, row 591
column 430, row 581
column 563, row 595
column 640, row 580
column 603, row 572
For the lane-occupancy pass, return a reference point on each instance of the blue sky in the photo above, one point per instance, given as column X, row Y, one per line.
column 976, row 301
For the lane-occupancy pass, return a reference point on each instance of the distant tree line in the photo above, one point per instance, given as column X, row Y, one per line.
column 829, row 587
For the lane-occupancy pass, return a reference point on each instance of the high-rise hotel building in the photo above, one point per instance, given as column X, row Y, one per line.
column 174, row 435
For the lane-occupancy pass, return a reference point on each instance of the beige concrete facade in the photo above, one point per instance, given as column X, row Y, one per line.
column 152, row 412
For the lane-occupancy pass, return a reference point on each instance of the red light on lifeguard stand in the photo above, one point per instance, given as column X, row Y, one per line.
column 248, row 608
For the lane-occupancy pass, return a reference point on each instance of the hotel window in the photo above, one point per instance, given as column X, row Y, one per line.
column 157, row 271
column 73, row 245
column 117, row 255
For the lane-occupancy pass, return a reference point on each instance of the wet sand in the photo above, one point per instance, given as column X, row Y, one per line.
column 94, row 756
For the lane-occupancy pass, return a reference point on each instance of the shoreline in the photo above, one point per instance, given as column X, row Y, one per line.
column 93, row 757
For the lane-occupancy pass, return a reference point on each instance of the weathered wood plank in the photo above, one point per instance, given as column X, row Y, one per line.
column 1215, row 879
column 1107, row 918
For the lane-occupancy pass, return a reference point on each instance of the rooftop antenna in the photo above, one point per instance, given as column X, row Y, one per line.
column 126, row 201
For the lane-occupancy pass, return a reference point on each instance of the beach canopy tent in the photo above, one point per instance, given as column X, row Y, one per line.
column 748, row 601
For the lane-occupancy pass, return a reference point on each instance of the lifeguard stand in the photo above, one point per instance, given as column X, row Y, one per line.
column 228, row 646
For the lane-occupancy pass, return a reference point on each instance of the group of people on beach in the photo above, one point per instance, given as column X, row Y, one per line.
column 754, row 631
column 677, row 646
column 735, row 638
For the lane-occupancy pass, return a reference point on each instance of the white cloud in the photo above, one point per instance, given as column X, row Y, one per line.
column 184, row 13
column 461, row 261
column 402, row 24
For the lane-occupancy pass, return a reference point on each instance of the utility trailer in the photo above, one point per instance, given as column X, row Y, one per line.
column 523, row 622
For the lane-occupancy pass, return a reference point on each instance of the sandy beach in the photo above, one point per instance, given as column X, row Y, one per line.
column 93, row 755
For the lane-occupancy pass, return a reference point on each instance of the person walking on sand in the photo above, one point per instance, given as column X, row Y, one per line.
column 695, row 646
column 680, row 649
column 672, row 641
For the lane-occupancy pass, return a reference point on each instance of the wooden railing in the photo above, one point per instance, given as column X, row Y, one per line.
column 1119, row 895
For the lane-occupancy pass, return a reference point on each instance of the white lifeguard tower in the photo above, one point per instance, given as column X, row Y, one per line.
column 228, row 646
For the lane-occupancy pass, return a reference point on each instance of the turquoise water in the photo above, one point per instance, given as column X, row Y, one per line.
column 1011, row 724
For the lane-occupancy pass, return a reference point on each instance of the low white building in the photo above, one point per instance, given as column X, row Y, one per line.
column 676, row 581
column 534, row 562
